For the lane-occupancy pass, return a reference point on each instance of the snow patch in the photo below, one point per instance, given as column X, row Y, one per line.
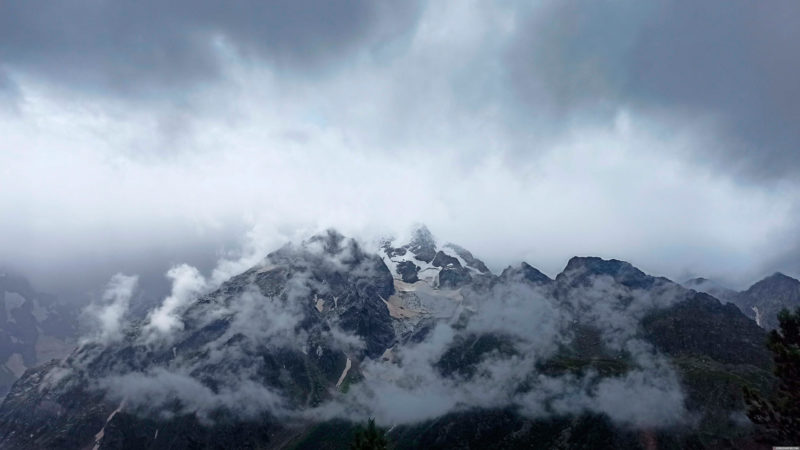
column 758, row 316
column 347, row 366
column 98, row 438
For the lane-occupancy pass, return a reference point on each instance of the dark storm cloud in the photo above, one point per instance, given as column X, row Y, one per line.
column 733, row 63
column 129, row 46
column 283, row 115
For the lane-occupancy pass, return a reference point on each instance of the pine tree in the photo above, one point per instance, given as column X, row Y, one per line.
column 370, row 438
column 779, row 417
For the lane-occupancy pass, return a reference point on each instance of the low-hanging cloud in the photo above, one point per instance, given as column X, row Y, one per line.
column 108, row 316
column 158, row 388
column 187, row 284
column 412, row 387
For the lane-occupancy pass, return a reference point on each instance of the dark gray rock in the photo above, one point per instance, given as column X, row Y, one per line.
column 470, row 260
column 701, row 325
column 408, row 271
column 442, row 259
column 454, row 277
column 422, row 244
column 582, row 269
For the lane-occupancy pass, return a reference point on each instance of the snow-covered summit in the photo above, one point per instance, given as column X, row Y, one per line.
column 422, row 260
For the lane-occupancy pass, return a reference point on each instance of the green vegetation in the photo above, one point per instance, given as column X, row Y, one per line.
column 779, row 416
column 370, row 438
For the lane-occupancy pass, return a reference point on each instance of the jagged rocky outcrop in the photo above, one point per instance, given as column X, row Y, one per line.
column 322, row 326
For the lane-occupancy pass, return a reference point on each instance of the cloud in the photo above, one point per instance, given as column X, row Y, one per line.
column 249, row 177
column 155, row 48
column 466, row 116
column 157, row 390
column 108, row 315
column 730, row 65
column 187, row 284
column 249, row 327
column 232, row 339
column 538, row 323
column 9, row 94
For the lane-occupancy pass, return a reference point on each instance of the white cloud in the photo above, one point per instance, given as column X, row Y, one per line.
column 187, row 284
column 108, row 315
column 427, row 131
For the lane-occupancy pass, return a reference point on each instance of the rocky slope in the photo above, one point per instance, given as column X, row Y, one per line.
column 34, row 328
column 765, row 299
column 760, row 302
column 426, row 339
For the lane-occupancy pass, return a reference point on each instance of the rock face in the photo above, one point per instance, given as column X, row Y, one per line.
column 700, row 324
column 273, row 328
column 761, row 302
column 580, row 270
column 284, row 354
column 422, row 245
column 34, row 328
column 764, row 300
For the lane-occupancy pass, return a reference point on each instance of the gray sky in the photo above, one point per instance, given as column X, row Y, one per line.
column 138, row 135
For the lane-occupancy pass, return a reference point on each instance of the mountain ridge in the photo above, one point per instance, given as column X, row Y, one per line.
column 323, row 330
column 762, row 301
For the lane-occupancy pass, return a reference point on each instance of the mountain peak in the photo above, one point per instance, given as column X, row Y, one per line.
column 597, row 265
column 781, row 278
column 580, row 267
column 527, row 272
column 775, row 281
column 422, row 244
column 764, row 299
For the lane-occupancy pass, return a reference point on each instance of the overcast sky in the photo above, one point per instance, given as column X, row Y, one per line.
column 138, row 135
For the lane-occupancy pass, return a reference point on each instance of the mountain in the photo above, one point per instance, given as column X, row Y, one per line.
column 320, row 335
column 761, row 302
column 765, row 299
column 34, row 328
